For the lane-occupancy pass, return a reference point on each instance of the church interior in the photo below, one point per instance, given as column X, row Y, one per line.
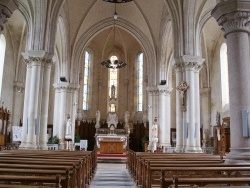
column 162, row 83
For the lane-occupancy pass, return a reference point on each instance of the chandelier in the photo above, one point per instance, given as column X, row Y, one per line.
column 117, row 1
column 114, row 63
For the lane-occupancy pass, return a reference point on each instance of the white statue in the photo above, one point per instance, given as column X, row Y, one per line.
column 145, row 119
column 98, row 116
column 112, row 119
column 113, row 91
column 126, row 118
column 154, row 135
column 68, row 134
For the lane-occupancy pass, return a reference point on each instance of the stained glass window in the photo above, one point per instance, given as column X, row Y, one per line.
column 139, row 81
column 86, row 81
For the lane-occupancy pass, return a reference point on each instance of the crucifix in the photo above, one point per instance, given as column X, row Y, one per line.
column 183, row 89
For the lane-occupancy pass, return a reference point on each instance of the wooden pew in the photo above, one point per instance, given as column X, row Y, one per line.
column 55, row 180
column 215, row 181
column 89, row 157
column 198, row 172
column 52, row 159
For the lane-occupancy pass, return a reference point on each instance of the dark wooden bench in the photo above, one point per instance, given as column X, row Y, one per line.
column 41, row 180
column 215, row 181
column 85, row 162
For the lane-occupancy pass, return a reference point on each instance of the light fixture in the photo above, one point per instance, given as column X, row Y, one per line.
column 117, row 1
column 114, row 63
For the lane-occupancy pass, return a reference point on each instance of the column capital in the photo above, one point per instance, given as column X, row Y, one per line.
column 205, row 91
column 37, row 56
column 7, row 7
column 66, row 86
column 188, row 62
column 18, row 87
column 165, row 90
column 233, row 16
column 152, row 90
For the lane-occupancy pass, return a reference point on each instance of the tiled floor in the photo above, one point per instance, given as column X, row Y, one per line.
column 112, row 175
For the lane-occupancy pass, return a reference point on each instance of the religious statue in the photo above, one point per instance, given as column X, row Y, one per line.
column 183, row 88
column 145, row 119
column 68, row 134
column 113, row 91
column 154, row 135
column 126, row 118
column 112, row 119
column 217, row 119
column 98, row 116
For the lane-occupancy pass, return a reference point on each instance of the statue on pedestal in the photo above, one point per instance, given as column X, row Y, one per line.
column 98, row 116
column 126, row 118
column 154, row 135
column 68, row 134
column 183, row 88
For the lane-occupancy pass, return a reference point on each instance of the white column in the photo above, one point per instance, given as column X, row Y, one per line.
column 164, row 116
column 190, row 113
column 205, row 94
column 152, row 93
column 235, row 22
column 197, row 110
column 59, row 122
column 179, row 114
column 45, row 106
column 18, row 103
column 188, row 122
column 26, row 105
column 35, row 61
column 74, row 112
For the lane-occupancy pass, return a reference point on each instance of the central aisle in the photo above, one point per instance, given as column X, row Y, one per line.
column 112, row 175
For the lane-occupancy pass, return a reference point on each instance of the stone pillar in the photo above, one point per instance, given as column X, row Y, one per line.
column 45, row 106
column 18, row 103
column 152, row 91
column 7, row 7
column 188, row 69
column 164, row 116
column 60, row 112
column 74, row 90
column 66, row 97
column 32, row 108
column 206, row 114
column 234, row 18
column 179, row 115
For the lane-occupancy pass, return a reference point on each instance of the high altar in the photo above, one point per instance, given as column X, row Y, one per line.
column 113, row 141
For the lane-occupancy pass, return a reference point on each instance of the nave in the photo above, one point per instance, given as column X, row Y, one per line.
column 112, row 175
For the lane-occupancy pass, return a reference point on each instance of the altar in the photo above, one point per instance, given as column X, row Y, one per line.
column 111, row 143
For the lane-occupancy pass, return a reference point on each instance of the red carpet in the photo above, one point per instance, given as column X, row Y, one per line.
column 111, row 156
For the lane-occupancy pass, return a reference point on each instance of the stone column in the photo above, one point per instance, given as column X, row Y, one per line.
column 60, row 112
column 188, row 69
column 66, row 97
column 45, row 106
column 164, row 116
column 152, row 93
column 206, row 114
column 18, row 103
column 234, row 18
column 7, row 7
column 179, row 115
column 31, row 116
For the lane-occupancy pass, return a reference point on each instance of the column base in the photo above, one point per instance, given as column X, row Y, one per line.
column 179, row 149
column 238, row 155
column 43, row 146
column 193, row 149
column 28, row 145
